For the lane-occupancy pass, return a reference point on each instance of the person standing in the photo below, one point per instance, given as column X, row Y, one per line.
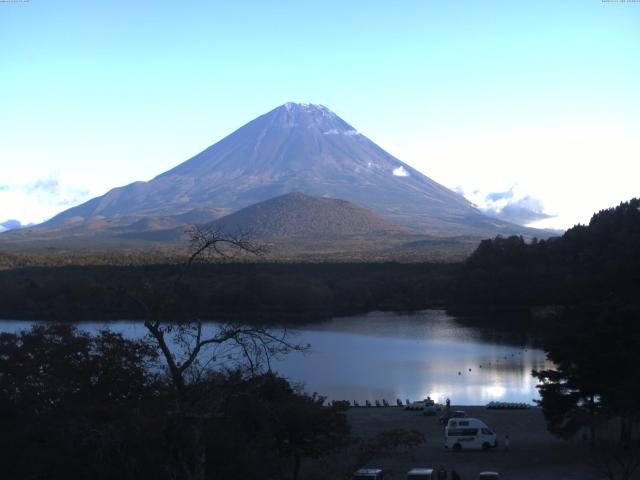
column 454, row 475
column 506, row 442
column 448, row 403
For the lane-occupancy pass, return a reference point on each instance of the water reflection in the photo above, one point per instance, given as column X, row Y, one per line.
column 386, row 355
column 411, row 356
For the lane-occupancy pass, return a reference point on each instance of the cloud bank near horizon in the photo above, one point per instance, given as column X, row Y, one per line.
column 37, row 200
column 510, row 205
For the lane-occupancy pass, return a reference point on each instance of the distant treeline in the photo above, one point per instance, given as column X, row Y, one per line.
column 593, row 263
column 256, row 291
column 593, row 274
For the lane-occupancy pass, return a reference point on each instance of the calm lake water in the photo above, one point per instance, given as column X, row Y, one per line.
column 389, row 356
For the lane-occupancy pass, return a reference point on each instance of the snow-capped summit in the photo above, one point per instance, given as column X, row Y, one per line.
column 308, row 107
column 311, row 115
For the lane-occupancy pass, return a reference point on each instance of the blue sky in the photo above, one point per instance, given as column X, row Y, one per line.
column 537, row 100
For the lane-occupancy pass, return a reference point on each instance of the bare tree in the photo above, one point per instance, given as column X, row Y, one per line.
column 190, row 347
column 183, row 341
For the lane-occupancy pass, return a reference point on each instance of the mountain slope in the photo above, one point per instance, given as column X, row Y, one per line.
column 296, row 147
column 300, row 215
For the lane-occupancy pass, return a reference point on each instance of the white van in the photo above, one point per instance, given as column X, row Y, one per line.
column 468, row 434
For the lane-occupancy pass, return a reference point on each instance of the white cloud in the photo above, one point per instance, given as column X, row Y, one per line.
column 400, row 172
column 38, row 200
column 514, row 205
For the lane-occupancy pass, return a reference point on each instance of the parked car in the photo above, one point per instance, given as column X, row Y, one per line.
column 418, row 405
column 444, row 419
column 489, row 476
column 421, row 474
column 368, row 474
column 427, row 406
column 430, row 407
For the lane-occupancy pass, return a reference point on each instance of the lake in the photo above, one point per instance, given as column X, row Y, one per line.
column 388, row 355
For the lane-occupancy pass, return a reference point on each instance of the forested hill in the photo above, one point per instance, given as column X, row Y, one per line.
column 591, row 277
column 596, row 262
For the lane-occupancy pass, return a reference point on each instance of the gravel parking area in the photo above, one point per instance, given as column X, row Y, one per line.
column 534, row 454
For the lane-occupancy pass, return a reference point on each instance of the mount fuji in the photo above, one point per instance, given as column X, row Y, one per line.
column 296, row 147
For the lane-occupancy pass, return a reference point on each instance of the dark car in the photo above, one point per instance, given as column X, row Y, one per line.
column 444, row 419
